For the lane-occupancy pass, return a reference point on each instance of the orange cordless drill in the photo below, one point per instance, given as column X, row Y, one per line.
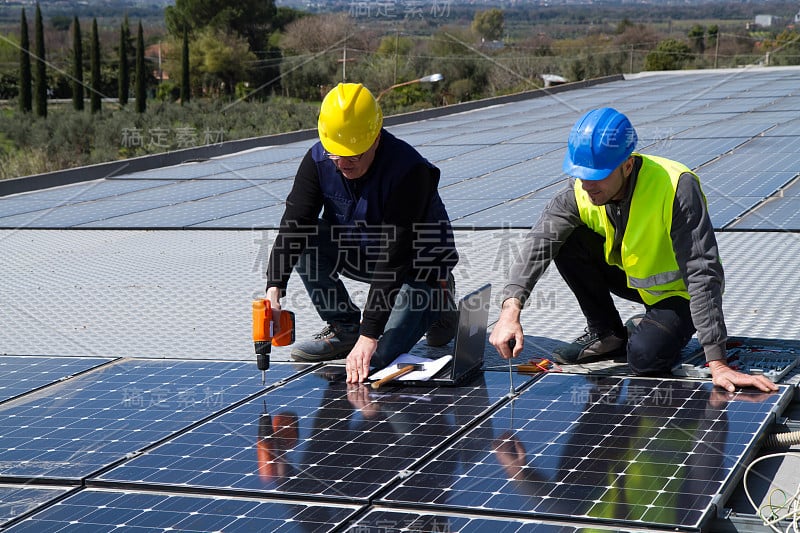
column 270, row 328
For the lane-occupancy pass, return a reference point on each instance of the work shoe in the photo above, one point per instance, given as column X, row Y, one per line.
column 444, row 328
column 592, row 346
column 334, row 342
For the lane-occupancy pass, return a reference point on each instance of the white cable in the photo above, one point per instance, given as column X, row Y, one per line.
column 791, row 504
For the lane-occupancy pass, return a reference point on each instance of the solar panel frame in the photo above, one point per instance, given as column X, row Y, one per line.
column 114, row 510
column 313, row 438
column 20, row 374
column 568, row 444
column 19, row 500
column 69, row 430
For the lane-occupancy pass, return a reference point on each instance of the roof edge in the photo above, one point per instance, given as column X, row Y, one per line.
column 201, row 153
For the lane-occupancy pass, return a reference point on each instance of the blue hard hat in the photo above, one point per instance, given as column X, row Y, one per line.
column 599, row 142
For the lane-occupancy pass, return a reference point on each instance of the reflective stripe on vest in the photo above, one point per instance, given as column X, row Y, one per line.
column 646, row 255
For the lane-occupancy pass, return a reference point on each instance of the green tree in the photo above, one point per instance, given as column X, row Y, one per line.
column 489, row 24
column 186, row 88
column 713, row 34
column 25, row 95
column 40, row 70
column 669, row 54
column 697, row 38
column 785, row 48
column 124, row 76
column 97, row 81
column 221, row 60
column 141, row 79
column 77, row 66
column 623, row 26
column 251, row 19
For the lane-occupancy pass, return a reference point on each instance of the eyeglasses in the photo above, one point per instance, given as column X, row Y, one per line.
column 348, row 158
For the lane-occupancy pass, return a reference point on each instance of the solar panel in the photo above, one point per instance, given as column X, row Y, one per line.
column 73, row 428
column 489, row 187
column 21, row 374
column 521, row 213
column 726, row 128
column 442, row 152
column 266, row 217
column 390, row 520
column 725, row 209
column 693, row 152
column 16, row 500
column 459, row 208
column 186, row 171
column 107, row 510
column 777, row 214
column 76, row 214
column 634, row 451
column 740, row 183
column 314, row 437
column 460, row 167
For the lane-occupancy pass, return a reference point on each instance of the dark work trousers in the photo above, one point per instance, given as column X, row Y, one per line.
column 655, row 344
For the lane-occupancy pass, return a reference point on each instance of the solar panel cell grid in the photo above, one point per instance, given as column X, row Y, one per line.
column 100, row 510
column 71, row 429
column 314, row 438
column 21, row 374
column 637, row 450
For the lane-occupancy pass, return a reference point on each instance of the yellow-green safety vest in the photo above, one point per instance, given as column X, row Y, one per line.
column 646, row 255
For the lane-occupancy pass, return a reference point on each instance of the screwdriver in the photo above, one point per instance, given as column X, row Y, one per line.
column 512, row 391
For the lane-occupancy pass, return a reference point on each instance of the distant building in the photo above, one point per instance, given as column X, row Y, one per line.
column 797, row 18
column 768, row 21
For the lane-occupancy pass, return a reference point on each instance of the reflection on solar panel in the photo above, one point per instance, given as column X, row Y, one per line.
column 101, row 510
column 17, row 500
column 635, row 451
column 315, row 438
column 72, row 429
column 21, row 374
column 385, row 521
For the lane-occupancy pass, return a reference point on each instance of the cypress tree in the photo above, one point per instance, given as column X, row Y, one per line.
column 124, row 79
column 97, row 103
column 186, row 92
column 141, row 88
column 77, row 66
column 40, row 72
column 25, row 95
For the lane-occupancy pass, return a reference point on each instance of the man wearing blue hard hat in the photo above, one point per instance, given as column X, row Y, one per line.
column 635, row 226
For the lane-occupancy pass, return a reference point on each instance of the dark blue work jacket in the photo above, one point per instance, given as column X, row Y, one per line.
column 359, row 218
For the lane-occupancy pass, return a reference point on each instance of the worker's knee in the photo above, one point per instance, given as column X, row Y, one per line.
column 655, row 345
column 647, row 360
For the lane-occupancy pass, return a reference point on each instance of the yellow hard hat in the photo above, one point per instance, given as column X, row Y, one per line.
column 350, row 120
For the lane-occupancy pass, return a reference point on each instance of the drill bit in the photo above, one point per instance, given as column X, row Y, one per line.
column 263, row 377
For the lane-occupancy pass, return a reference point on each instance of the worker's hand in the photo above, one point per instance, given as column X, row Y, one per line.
column 724, row 376
column 357, row 362
column 508, row 329
column 274, row 297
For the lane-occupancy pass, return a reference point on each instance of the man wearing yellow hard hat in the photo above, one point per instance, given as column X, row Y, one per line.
column 382, row 222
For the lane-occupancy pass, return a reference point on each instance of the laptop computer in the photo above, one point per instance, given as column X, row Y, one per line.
column 469, row 344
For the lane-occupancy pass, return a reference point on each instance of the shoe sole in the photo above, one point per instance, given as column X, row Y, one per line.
column 616, row 355
column 303, row 357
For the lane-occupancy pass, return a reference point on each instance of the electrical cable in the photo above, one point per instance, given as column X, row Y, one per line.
column 782, row 440
column 789, row 509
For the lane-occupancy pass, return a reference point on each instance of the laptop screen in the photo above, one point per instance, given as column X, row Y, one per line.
column 471, row 335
